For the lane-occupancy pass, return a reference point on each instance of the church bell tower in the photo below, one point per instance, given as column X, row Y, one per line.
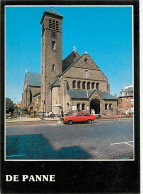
column 51, row 55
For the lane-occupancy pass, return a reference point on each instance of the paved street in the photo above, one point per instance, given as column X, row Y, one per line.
column 101, row 140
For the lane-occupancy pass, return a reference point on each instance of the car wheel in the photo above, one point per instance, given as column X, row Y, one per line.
column 70, row 122
column 89, row 121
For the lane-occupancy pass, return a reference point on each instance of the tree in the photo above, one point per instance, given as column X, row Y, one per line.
column 9, row 105
column 24, row 109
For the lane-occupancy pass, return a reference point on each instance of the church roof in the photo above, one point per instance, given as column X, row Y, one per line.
column 33, row 79
column 79, row 93
column 38, row 93
column 85, row 94
column 51, row 12
column 71, row 65
column 106, row 96
column 56, row 84
column 69, row 60
column 76, row 60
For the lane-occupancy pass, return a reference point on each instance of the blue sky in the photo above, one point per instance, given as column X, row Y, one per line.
column 104, row 32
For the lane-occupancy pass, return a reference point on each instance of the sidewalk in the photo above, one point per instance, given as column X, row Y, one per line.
column 31, row 119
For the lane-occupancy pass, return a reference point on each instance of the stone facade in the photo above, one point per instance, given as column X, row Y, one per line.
column 28, row 97
column 36, row 103
column 30, row 90
column 51, row 55
column 74, row 84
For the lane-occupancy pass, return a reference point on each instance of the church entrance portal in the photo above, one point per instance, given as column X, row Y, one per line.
column 95, row 106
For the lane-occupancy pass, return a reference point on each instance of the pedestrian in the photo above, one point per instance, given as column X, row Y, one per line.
column 119, row 116
column 62, row 113
column 92, row 111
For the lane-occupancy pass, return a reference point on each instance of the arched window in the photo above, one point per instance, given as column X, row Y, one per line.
column 57, row 25
column 50, row 23
column 74, row 84
column 53, row 45
column 78, row 84
column 78, row 107
column 83, row 85
column 53, row 34
column 106, row 105
column 53, row 68
column 86, row 73
column 97, row 86
column 93, row 85
column 107, row 87
column 54, row 25
column 88, row 85
column 83, row 106
column 110, row 106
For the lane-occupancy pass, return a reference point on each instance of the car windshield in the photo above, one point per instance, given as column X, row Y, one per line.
column 74, row 114
column 77, row 114
column 86, row 114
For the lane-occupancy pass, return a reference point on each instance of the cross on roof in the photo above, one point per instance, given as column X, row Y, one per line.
column 74, row 48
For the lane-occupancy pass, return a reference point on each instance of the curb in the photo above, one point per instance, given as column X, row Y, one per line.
column 39, row 120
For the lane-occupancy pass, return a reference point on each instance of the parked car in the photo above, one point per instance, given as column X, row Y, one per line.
column 78, row 117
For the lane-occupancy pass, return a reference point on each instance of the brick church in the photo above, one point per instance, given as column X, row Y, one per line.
column 73, row 84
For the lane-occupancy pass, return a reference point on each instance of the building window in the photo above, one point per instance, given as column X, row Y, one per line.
column 88, row 85
column 93, row 85
column 57, row 25
column 73, row 83
column 86, row 73
column 83, row 106
column 53, row 68
column 110, row 106
column 127, row 100
column 97, row 86
column 85, row 60
column 78, row 107
column 54, row 25
column 121, row 99
column 78, row 84
column 53, row 34
column 50, row 23
column 53, row 45
column 107, row 87
column 83, row 85
column 106, row 105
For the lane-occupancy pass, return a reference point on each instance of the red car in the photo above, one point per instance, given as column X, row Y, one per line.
column 79, row 117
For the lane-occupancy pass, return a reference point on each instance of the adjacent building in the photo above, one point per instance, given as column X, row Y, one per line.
column 126, row 100
column 73, row 84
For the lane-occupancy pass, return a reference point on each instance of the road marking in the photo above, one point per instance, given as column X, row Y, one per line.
column 126, row 142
